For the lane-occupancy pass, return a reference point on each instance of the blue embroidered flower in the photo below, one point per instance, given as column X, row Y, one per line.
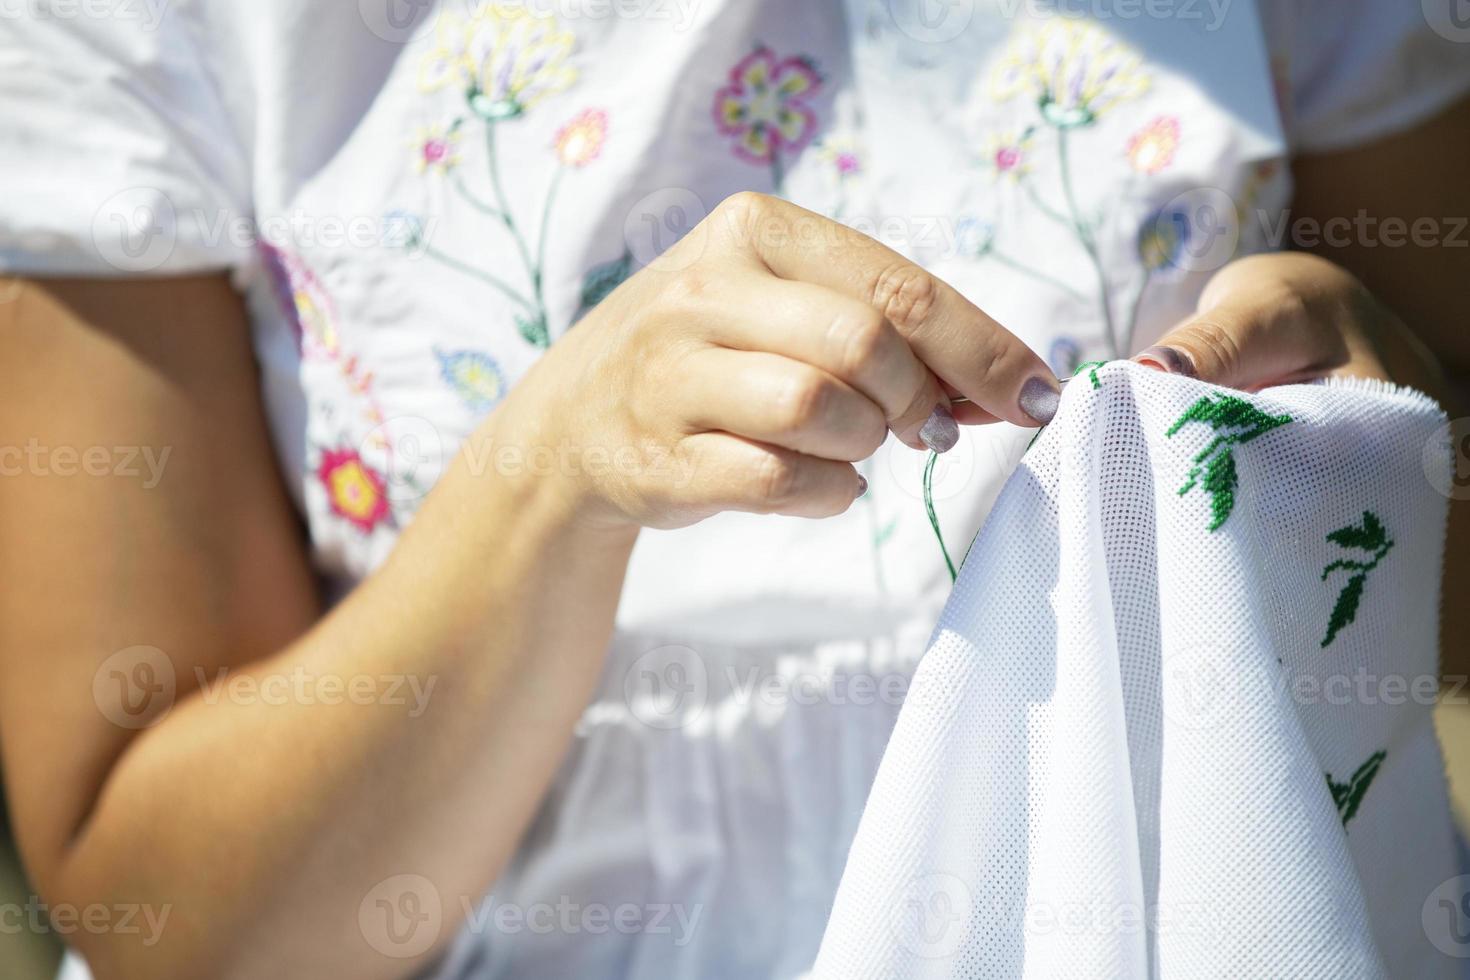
column 1163, row 239
column 475, row 377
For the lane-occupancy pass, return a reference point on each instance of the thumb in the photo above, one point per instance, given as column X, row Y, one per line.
column 1247, row 345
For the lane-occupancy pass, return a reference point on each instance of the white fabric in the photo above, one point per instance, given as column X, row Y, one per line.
column 1112, row 761
column 290, row 142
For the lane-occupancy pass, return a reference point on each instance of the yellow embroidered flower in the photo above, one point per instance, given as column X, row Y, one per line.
column 1074, row 69
column 580, row 141
column 505, row 57
column 436, row 148
column 1008, row 154
column 1152, row 148
column 354, row 490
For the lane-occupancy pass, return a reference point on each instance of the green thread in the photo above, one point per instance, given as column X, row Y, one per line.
column 1370, row 537
column 1349, row 795
column 933, row 517
column 1091, row 368
column 1234, row 421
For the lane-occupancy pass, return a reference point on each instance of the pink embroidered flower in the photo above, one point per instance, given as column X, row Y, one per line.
column 1008, row 154
column 304, row 300
column 841, row 154
column 436, row 148
column 354, row 490
column 1152, row 148
column 580, row 141
column 764, row 107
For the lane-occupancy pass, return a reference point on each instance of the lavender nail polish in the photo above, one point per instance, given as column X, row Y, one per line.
column 1171, row 359
column 862, row 485
column 940, row 431
column 1039, row 399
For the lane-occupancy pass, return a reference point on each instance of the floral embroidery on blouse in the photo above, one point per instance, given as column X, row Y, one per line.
column 506, row 60
column 1074, row 70
column 1152, row 148
column 765, row 108
column 355, row 491
column 474, row 377
column 436, row 147
column 504, row 57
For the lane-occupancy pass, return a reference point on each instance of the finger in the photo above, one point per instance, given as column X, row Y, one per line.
column 773, row 399
column 1249, row 343
column 958, row 341
column 734, row 473
column 840, row 335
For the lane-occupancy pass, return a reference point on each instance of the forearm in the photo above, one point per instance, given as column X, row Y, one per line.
column 263, row 826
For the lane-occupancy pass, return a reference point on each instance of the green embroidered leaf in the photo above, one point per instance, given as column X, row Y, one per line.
column 1091, row 368
column 1348, row 796
column 1345, row 610
column 533, row 328
column 881, row 536
column 1371, row 536
column 602, row 279
column 1234, row 421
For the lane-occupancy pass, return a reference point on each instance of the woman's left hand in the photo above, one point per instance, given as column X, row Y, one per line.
column 1281, row 318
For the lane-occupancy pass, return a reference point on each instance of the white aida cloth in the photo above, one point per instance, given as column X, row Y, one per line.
column 1142, row 747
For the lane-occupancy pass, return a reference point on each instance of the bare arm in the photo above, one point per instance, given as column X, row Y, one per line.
column 257, row 827
column 1416, row 176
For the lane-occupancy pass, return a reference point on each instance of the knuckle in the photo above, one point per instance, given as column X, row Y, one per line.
column 802, row 402
column 906, row 295
column 687, row 290
column 1217, row 340
column 858, row 337
column 776, row 479
column 742, row 211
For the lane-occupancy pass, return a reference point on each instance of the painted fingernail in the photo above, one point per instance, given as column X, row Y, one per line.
column 862, row 485
column 1039, row 399
column 940, row 431
column 1170, row 360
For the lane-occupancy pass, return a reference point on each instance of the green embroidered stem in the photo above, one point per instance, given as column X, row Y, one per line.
column 1234, row 421
column 1084, row 236
column 1348, row 796
column 457, row 179
column 469, row 270
column 1091, row 368
column 537, row 326
column 543, row 235
column 1132, row 327
column 1045, row 208
column 933, row 517
column 1039, row 276
column 1371, row 538
column 778, row 173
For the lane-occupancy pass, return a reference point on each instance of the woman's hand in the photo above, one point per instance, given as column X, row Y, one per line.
column 1281, row 318
column 749, row 366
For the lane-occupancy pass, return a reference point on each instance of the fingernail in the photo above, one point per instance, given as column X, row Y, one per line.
column 1039, row 399
column 1170, row 360
column 862, row 485
column 940, row 431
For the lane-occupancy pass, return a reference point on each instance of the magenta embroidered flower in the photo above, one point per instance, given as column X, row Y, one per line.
column 841, row 154
column 1152, row 148
column 1008, row 154
column 355, row 491
column 764, row 107
column 436, row 148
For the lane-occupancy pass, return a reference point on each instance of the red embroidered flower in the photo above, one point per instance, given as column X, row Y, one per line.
column 354, row 490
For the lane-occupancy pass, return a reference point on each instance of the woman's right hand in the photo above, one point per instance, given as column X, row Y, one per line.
column 749, row 366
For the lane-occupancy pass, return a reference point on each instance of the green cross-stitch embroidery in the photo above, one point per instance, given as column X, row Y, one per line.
column 1372, row 539
column 1234, row 421
column 1349, row 795
column 1091, row 368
